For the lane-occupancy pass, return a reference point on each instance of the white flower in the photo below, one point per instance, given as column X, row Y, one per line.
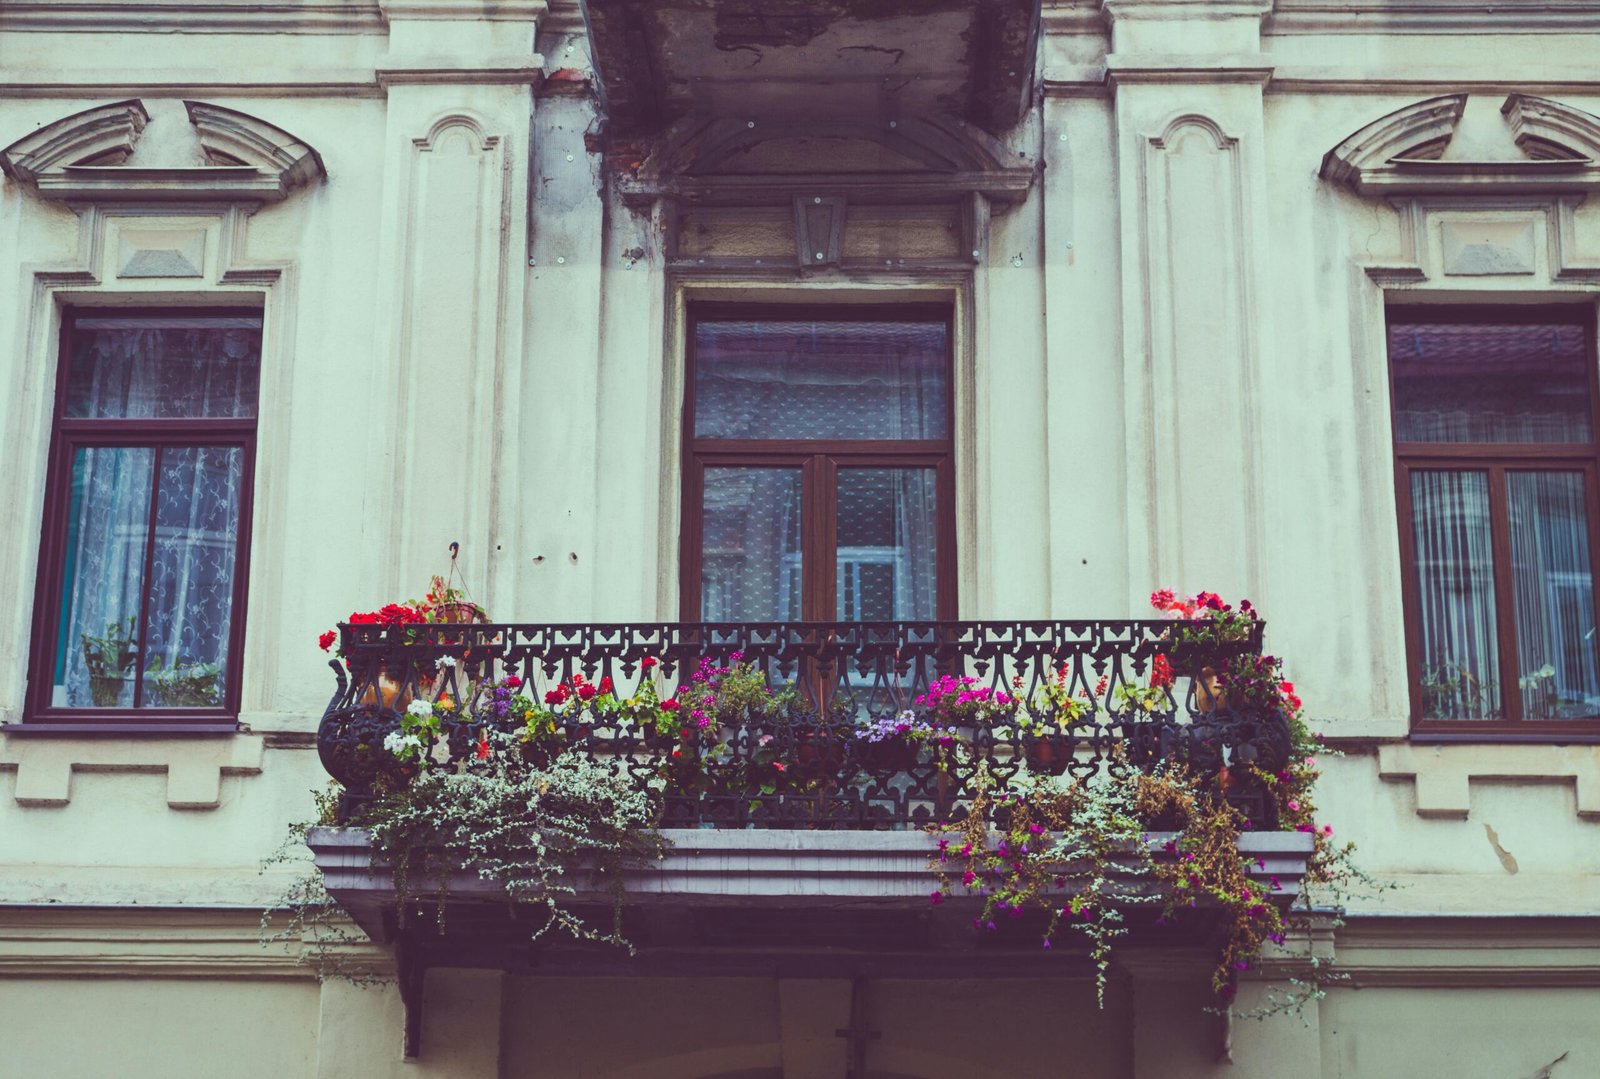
column 446, row 661
column 420, row 708
column 394, row 742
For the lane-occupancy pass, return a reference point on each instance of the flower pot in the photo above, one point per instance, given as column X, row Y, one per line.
column 105, row 690
column 1048, row 754
column 386, row 691
column 1209, row 695
column 818, row 756
column 889, row 755
column 460, row 612
column 539, row 752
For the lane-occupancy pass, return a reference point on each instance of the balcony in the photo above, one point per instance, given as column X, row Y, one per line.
column 844, row 677
column 797, row 820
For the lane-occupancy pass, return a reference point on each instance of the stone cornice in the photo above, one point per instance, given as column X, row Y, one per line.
column 251, row 16
column 1383, row 17
column 1183, row 10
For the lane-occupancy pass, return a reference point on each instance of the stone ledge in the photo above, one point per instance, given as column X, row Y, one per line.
column 1444, row 773
column 194, row 767
column 755, row 868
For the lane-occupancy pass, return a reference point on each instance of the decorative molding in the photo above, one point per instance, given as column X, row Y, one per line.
column 196, row 16
column 1555, row 261
column 91, row 135
column 700, row 160
column 1547, row 130
column 82, row 157
column 1444, row 774
column 465, row 10
column 1464, row 17
column 194, row 767
column 1469, row 952
column 818, row 229
column 129, row 942
column 1192, row 223
column 229, row 137
column 1417, row 132
column 453, row 264
column 1402, row 153
column 1184, row 10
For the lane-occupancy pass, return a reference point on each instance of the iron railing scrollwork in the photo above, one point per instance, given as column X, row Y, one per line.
column 844, row 676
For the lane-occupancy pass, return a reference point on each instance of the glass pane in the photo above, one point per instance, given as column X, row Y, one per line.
column 1455, row 578
column 191, row 576
column 150, row 368
column 1554, row 593
column 751, row 559
column 839, row 380
column 888, row 544
column 1482, row 382
column 107, row 528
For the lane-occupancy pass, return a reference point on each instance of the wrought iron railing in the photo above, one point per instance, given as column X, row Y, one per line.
column 805, row 762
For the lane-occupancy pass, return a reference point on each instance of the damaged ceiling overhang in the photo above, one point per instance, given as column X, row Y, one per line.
column 660, row 60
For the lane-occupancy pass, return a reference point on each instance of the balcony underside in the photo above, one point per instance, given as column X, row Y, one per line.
column 799, row 904
column 811, row 59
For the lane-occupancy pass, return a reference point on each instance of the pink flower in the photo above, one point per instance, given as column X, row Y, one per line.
column 1161, row 599
column 1294, row 806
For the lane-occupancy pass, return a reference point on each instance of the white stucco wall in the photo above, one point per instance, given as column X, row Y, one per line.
column 1175, row 375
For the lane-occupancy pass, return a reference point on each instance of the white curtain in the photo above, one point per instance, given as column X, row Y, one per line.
column 1455, row 578
column 1554, row 594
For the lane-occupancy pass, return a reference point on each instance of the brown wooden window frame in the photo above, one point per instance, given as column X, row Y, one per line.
column 68, row 434
column 819, row 461
column 1495, row 459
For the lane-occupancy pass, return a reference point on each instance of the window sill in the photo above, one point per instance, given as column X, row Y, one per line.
column 1587, row 736
column 75, row 728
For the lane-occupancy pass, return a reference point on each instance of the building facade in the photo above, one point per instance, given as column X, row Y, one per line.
column 1289, row 299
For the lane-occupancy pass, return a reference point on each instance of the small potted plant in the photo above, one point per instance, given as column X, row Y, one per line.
column 184, row 684
column 1209, row 634
column 1045, row 726
column 109, row 659
column 891, row 742
column 448, row 603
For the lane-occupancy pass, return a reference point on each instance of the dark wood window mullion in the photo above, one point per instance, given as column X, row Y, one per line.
column 819, row 532
column 945, row 556
column 1505, row 599
column 691, row 531
column 245, row 513
column 1411, row 585
column 145, row 581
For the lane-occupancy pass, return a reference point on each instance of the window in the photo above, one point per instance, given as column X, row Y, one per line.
column 142, row 570
column 1496, row 455
column 818, row 473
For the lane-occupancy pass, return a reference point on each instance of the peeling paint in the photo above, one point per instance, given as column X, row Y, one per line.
column 1506, row 860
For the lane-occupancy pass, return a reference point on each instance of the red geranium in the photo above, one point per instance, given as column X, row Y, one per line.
column 327, row 639
column 1161, row 674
